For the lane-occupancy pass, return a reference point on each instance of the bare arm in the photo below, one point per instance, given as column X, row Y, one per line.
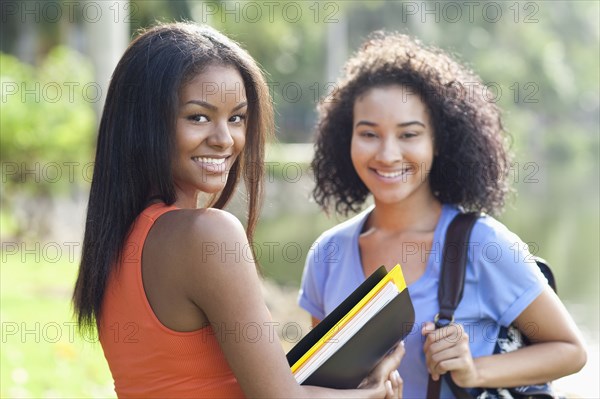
column 557, row 351
column 226, row 287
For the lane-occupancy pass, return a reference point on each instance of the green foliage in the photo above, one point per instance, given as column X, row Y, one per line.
column 47, row 118
column 46, row 124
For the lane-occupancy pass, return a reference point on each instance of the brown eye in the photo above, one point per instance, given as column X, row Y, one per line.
column 368, row 134
column 408, row 135
column 198, row 118
column 237, row 118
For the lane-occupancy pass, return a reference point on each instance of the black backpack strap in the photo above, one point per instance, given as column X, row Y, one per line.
column 546, row 271
column 454, row 261
column 452, row 278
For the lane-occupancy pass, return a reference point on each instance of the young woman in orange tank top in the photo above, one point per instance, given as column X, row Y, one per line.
column 187, row 112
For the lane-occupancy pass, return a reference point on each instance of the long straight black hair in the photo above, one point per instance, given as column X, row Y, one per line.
column 136, row 144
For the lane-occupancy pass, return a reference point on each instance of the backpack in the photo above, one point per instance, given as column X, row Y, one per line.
column 450, row 291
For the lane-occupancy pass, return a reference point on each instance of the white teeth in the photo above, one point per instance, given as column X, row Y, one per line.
column 213, row 161
column 390, row 174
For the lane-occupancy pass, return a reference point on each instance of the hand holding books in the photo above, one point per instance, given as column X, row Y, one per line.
column 394, row 383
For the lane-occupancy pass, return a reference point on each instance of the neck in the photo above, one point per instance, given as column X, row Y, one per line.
column 184, row 201
column 406, row 216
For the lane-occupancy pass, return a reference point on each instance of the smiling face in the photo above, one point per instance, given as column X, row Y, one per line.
column 392, row 145
column 210, row 132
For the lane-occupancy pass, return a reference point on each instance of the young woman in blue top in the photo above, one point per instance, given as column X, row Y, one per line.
column 410, row 126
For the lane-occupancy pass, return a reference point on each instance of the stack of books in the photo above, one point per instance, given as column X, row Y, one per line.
column 345, row 346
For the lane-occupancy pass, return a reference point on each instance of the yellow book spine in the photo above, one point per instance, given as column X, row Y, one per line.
column 395, row 275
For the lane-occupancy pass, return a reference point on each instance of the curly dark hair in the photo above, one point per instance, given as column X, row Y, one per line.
column 471, row 165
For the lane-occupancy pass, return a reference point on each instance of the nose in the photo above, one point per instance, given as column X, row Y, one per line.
column 389, row 151
column 220, row 137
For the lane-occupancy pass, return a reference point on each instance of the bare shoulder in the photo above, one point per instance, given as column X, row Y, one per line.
column 199, row 242
column 215, row 222
column 205, row 246
column 191, row 232
column 199, row 224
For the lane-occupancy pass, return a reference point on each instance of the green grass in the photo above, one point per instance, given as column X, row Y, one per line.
column 42, row 354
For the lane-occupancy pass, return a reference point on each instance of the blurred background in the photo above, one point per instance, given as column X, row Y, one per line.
column 539, row 60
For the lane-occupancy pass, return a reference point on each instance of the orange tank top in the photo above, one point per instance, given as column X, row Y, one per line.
column 147, row 359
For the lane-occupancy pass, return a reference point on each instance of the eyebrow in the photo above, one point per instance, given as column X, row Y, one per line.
column 214, row 108
column 404, row 124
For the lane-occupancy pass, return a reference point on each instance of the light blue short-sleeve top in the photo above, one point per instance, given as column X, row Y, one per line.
column 501, row 281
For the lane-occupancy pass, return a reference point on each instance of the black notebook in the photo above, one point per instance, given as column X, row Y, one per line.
column 345, row 346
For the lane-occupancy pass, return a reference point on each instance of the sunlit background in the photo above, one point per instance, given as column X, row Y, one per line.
column 539, row 60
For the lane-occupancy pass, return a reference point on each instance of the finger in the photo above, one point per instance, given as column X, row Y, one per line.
column 393, row 359
column 447, row 360
column 386, row 372
column 401, row 350
column 446, row 343
column 449, row 334
column 389, row 391
column 427, row 328
column 392, row 379
column 398, row 384
column 429, row 331
column 388, row 364
column 457, row 364
column 453, row 329
column 449, row 353
column 431, row 369
column 433, row 360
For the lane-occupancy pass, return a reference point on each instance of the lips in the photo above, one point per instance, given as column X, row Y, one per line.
column 212, row 164
column 392, row 174
column 207, row 160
